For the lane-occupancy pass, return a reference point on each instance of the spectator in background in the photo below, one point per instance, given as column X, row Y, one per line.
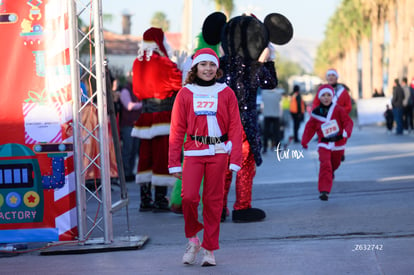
column 389, row 119
column 297, row 110
column 377, row 94
column 84, row 90
column 412, row 90
column 116, row 94
column 129, row 114
column 407, row 106
column 271, row 113
column 286, row 118
column 397, row 105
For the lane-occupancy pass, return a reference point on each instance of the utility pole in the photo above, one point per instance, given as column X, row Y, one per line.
column 186, row 30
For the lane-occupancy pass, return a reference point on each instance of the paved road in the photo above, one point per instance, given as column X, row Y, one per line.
column 366, row 227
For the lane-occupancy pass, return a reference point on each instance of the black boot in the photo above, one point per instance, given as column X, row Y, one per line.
column 248, row 215
column 161, row 203
column 224, row 214
column 146, row 197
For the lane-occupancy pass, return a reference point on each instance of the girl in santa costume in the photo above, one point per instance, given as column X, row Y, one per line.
column 208, row 113
column 156, row 81
column 333, row 127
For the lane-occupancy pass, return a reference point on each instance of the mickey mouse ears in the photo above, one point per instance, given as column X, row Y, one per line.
column 212, row 27
column 279, row 27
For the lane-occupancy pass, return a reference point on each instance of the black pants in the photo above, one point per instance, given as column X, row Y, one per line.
column 408, row 117
column 271, row 132
column 390, row 123
column 297, row 119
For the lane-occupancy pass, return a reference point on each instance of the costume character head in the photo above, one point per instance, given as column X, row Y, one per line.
column 246, row 35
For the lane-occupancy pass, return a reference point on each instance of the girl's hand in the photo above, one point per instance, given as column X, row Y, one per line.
column 178, row 175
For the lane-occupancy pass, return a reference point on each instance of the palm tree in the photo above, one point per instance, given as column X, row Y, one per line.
column 410, row 43
column 159, row 20
column 226, row 6
column 360, row 25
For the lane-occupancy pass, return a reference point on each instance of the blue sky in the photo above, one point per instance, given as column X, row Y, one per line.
column 309, row 18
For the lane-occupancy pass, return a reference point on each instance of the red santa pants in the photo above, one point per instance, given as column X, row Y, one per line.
column 329, row 161
column 213, row 168
column 153, row 161
column 244, row 179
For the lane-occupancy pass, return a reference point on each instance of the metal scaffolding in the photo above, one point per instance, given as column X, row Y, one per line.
column 100, row 104
column 97, row 103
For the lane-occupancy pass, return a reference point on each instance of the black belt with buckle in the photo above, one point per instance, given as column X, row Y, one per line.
column 210, row 140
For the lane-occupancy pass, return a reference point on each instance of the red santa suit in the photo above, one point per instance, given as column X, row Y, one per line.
column 341, row 95
column 333, row 127
column 214, row 132
column 156, row 80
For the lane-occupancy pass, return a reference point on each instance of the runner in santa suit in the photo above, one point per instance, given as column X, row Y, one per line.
column 341, row 94
column 333, row 127
column 156, row 81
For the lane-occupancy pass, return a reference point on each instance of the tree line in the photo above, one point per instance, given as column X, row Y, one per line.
column 370, row 43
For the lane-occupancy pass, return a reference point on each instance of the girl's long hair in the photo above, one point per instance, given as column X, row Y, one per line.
column 192, row 75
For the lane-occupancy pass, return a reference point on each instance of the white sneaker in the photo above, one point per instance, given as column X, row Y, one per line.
column 208, row 258
column 191, row 252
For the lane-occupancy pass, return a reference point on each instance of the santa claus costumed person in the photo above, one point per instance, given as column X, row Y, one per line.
column 341, row 92
column 207, row 113
column 333, row 127
column 156, row 81
column 247, row 65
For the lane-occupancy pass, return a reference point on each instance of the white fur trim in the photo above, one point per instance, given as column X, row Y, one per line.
column 147, row 48
column 324, row 91
column 205, row 152
column 163, row 180
column 338, row 92
column 204, row 57
column 155, row 179
column 334, row 72
column 215, row 89
column 150, row 132
column 320, row 118
column 331, row 146
column 234, row 167
column 173, row 170
column 143, row 177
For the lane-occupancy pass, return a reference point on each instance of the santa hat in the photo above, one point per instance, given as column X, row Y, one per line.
column 205, row 54
column 155, row 35
column 323, row 89
column 332, row 71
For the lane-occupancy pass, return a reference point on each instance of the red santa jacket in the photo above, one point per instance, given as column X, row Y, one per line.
column 185, row 121
column 158, row 77
column 341, row 97
column 337, row 122
column 155, row 82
